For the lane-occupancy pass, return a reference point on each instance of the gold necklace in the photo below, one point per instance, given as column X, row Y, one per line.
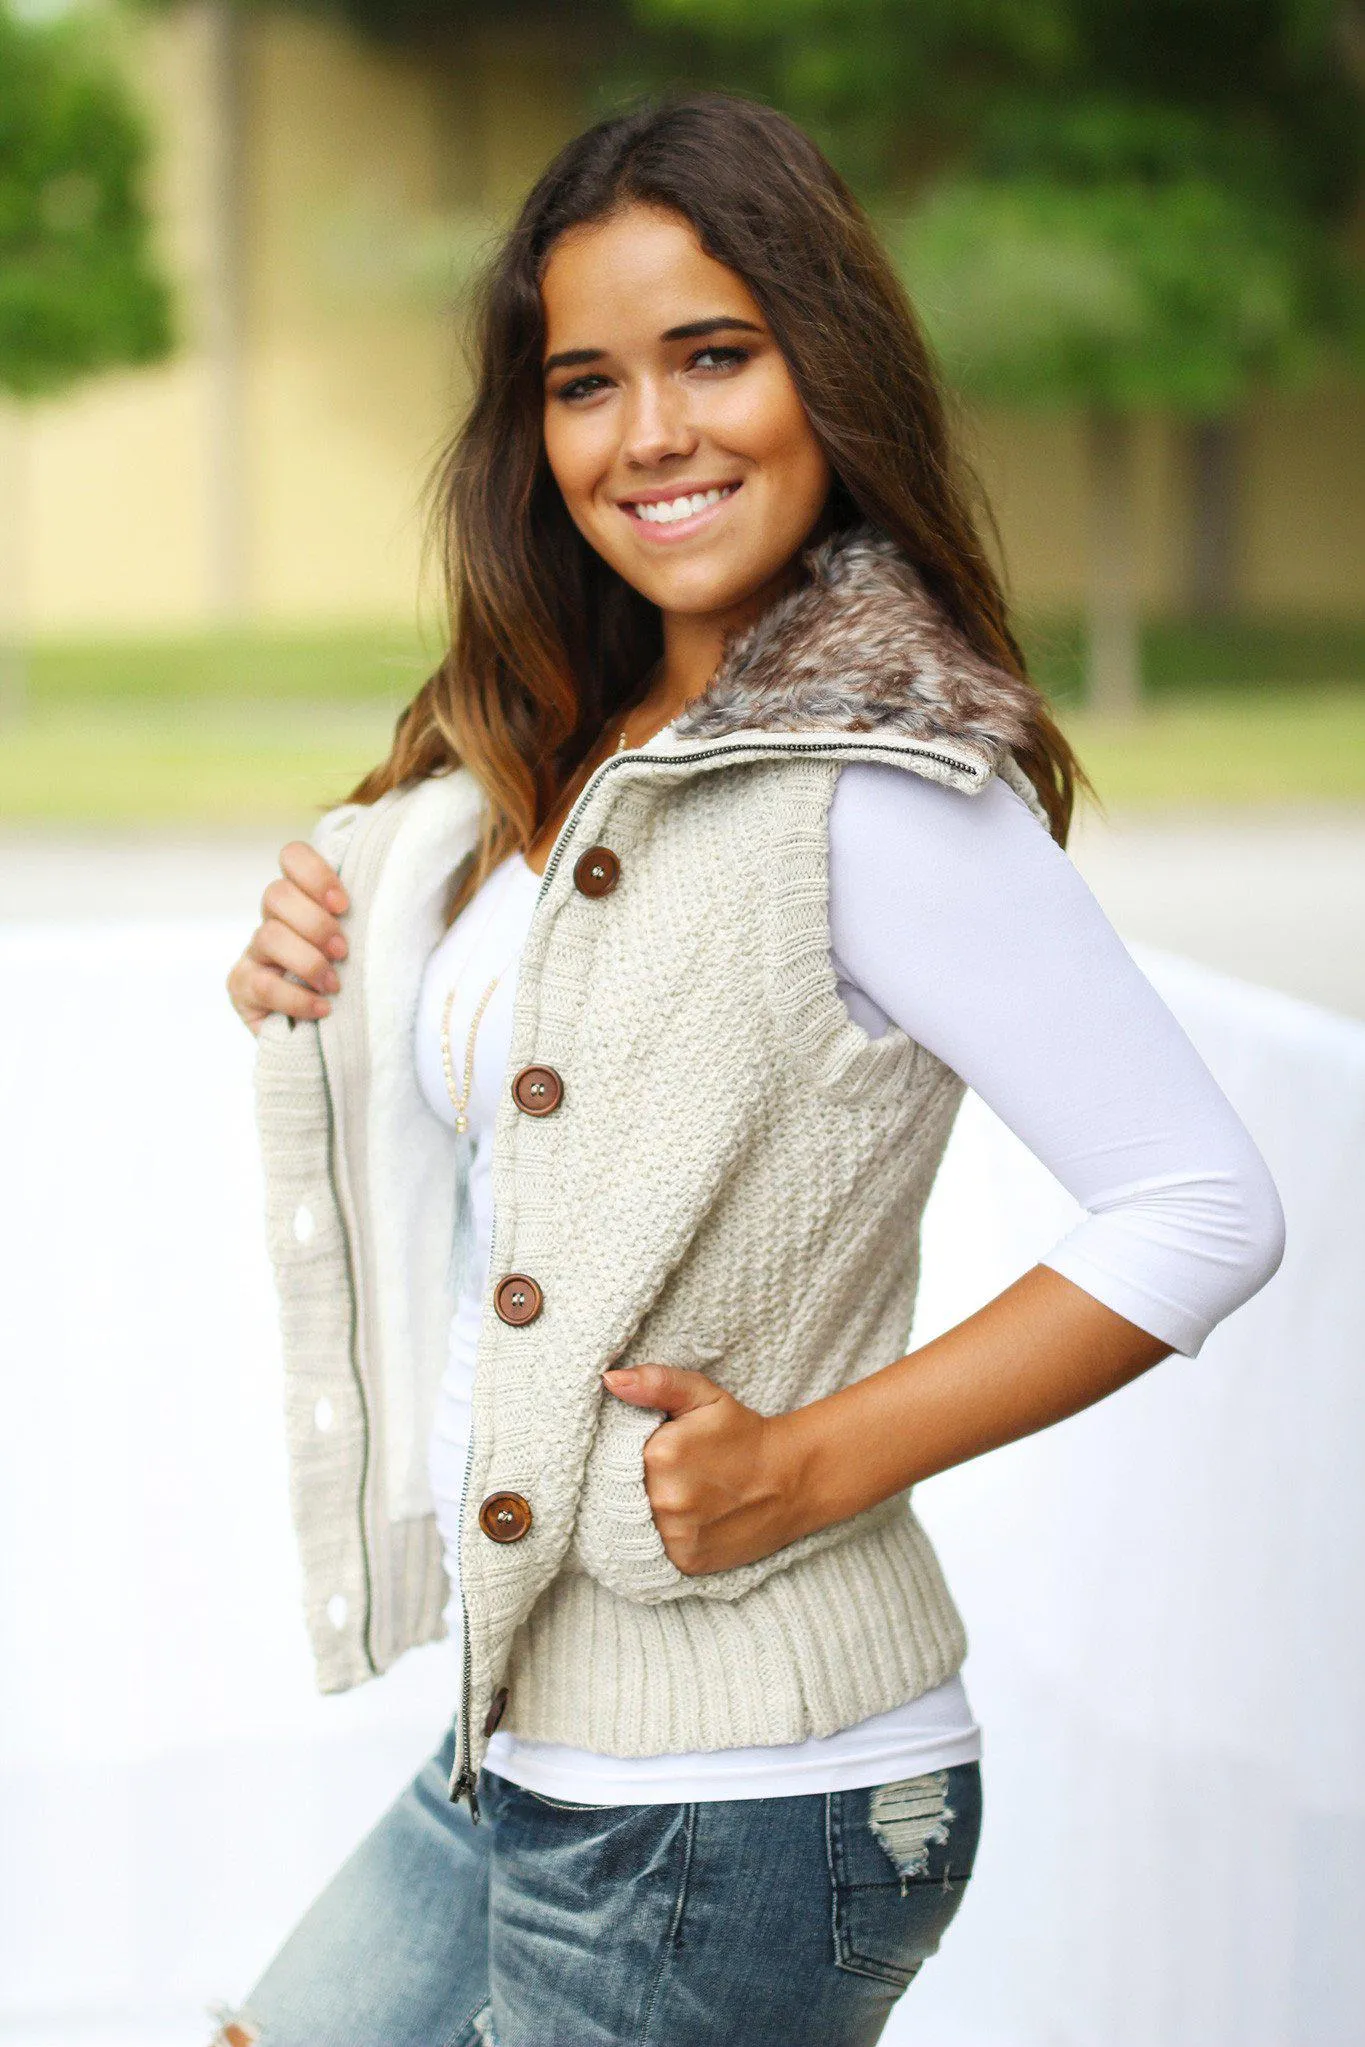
column 621, row 734
column 462, row 1213
column 460, row 1101
column 649, row 683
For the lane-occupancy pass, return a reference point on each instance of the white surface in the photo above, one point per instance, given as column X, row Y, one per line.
column 1166, row 1603
column 1275, row 896
column 1166, row 1595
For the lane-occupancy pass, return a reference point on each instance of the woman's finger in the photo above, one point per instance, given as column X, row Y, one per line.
column 277, row 944
column 287, row 903
column 258, row 990
column 305, row 866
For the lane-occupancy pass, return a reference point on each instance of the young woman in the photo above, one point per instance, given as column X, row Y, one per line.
column 723, row 850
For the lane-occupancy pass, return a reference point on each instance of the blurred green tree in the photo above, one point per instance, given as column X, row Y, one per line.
column 1103, row 206
column 80, row 290
column 1109, row 206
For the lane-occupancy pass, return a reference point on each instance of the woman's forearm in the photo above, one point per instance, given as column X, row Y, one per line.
column 1040, row 1351
column 728, row 1485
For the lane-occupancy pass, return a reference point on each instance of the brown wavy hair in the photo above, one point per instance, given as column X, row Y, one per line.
column 547, row 641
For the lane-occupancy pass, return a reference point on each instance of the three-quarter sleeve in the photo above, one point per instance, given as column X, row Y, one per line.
column 958, row 918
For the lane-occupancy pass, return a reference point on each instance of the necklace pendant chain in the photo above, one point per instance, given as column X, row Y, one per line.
column 459, row 1098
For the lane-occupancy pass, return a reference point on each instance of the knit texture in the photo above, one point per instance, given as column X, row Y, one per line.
column 735, row 1179
column 358, row 1202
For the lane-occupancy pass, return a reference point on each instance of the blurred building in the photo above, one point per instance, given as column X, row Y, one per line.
column 313, row 193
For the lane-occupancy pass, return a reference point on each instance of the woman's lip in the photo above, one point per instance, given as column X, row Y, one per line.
column 661, row 532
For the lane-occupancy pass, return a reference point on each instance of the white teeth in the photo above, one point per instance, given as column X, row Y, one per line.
column 669, row 509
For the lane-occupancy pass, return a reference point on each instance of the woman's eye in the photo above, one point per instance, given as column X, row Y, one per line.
column 710, row 360
column 580, row 387
column 719, row 358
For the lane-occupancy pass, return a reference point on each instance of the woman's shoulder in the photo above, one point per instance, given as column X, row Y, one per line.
column 891, row 814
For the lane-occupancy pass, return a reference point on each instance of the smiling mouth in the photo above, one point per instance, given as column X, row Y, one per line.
column 671, row 511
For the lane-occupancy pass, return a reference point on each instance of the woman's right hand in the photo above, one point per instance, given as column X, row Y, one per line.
column 299, row 934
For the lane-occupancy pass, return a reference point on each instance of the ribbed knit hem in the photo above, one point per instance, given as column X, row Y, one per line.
column 410, row 1592
column 849, row 1632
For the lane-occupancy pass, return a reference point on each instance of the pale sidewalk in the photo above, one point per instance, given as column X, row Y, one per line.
column 1272, row 897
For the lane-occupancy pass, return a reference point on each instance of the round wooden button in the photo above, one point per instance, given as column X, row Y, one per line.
column 538, row 1090
column 518, row 1299
column 597, row 871
column 505, row 1517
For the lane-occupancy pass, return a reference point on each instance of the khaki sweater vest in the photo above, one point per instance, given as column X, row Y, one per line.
column 734, row 1179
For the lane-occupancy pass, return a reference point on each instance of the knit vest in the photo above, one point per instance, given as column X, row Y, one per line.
column 733, row 1179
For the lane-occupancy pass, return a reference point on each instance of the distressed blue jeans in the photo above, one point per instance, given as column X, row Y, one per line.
column 772, row 1921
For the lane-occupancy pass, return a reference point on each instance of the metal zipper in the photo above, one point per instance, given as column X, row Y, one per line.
column 462, row 1783
column 347, row 1214
column 366, row 1425
column 669, row 760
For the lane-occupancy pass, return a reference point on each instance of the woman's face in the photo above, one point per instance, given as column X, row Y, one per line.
column 672, row 425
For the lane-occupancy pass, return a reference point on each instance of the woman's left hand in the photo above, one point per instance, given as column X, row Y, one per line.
column 728, row 1486
column 725, row 1483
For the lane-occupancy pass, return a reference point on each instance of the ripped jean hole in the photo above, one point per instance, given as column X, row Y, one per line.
column 910, row 1817
column 483, row 2025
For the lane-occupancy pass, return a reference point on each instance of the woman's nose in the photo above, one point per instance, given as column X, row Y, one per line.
column 657, row 423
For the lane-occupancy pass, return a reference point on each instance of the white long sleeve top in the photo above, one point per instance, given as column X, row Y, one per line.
column 959, row 919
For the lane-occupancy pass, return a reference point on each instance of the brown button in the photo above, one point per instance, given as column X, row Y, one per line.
column 496, row 1710
column 505, row 1517
column 597, row 871
column 518, row 1299
column 538, row 1090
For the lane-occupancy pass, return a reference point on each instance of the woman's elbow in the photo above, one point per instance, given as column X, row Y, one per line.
column 1265, row 1232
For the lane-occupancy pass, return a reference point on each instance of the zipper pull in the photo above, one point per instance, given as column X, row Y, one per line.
column 464, row 1787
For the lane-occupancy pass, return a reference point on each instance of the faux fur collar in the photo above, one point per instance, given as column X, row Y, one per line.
column 861, row 646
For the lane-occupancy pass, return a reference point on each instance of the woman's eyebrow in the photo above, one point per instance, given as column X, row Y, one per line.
column 692, row 330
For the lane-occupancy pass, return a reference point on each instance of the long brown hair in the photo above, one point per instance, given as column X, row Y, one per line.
column 548, row 642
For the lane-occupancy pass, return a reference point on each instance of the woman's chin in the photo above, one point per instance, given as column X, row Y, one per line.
column 701, row 585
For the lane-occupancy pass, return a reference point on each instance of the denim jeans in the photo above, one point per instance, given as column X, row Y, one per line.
column 769, row 1921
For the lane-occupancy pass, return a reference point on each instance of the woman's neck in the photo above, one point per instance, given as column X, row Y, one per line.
column 693, row 648
column 694, row 644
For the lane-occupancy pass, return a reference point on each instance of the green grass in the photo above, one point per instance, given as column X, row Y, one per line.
column 1262, row 747
column 266, row 729
column 345, row 667
column 1223, row 658
column 224, row 728
column 208, row 764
